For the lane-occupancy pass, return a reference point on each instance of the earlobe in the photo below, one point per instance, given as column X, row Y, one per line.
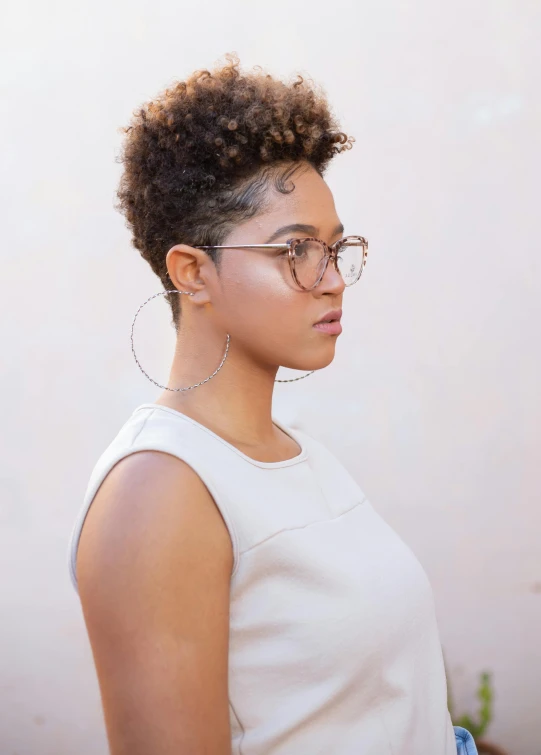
column 200, row 295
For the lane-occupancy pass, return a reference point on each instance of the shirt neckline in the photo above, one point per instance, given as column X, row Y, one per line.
column 264, row 464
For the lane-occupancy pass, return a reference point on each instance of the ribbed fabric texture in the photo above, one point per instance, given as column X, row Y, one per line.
column 334, row 645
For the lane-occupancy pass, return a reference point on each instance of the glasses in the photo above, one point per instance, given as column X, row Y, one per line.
column 309, row 258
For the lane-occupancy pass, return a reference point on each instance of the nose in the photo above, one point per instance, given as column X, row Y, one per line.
column 332, row 281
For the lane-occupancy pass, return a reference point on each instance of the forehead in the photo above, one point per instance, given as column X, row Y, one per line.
column 310, row 203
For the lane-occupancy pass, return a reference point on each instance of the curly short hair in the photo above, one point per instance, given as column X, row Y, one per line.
column 199, row 157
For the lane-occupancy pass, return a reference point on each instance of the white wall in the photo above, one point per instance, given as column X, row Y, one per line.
column 433, row 399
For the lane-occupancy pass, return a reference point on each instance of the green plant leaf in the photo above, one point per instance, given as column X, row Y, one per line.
column 485, row 695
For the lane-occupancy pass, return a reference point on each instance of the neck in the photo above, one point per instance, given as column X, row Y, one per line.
column 237, row 402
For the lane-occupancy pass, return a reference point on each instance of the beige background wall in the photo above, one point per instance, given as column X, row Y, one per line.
column 433, row 399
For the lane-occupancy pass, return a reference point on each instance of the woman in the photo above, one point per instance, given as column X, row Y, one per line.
column 240, row 593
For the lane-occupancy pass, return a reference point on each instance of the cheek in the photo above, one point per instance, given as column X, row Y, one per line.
column 259, row 297
column 258, row 303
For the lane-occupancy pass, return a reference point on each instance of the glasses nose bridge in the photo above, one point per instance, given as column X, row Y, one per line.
column 332, row 253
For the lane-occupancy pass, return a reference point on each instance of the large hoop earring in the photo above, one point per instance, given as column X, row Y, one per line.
column 216, row 371
column 189, row 387
column 292, row 380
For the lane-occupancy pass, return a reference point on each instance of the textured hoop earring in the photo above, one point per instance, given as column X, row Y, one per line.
column 292, row 380
column 189, row 387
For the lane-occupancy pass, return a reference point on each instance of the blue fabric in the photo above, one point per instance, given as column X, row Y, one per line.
column 464, row 742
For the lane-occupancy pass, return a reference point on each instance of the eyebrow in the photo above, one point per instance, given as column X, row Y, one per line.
column 309, row 230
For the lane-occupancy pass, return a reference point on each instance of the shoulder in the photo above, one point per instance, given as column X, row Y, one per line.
column 151, row 508
column 154, row 567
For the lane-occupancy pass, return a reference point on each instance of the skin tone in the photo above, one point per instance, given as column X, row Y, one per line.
column 155, row 557
column 269, row 318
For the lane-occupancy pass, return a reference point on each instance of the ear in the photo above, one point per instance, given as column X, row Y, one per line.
column 190, row 269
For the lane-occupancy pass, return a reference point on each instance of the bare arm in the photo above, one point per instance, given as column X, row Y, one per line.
column 154, row 567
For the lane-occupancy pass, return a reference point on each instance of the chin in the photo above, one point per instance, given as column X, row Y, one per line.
column 313, row 362
column 326, row 356
column 325, row 362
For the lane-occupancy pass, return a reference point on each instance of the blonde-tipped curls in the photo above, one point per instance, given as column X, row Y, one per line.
column 191, row 154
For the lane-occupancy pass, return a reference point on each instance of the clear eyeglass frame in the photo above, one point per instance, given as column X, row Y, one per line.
column 330, row 253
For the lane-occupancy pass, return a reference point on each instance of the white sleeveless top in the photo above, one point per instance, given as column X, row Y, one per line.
column 334, row 646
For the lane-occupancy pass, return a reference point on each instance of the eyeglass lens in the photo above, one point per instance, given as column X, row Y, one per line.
column 309, row 259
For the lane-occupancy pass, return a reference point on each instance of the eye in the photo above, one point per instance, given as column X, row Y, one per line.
column 301, row 251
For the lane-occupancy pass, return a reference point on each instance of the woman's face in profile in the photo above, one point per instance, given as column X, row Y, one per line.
column 255, row 296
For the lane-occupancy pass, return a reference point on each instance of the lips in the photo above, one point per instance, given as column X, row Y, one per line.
column 330, row 323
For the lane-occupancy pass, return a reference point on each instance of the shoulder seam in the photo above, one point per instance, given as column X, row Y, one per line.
column 303, row 526
column 142, row 426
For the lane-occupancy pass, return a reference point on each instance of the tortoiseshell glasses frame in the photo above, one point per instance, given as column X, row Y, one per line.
column 330, row 253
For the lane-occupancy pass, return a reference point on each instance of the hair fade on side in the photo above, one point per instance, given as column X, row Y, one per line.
column 198, row 158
